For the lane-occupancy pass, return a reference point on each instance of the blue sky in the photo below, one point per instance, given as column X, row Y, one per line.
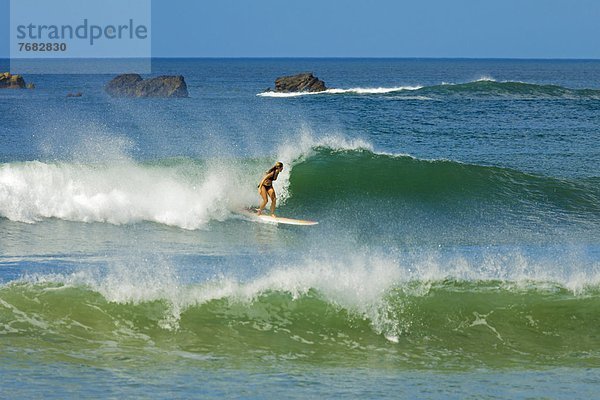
column 376, row 28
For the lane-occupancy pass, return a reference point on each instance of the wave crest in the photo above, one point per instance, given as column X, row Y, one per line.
column 482, row 87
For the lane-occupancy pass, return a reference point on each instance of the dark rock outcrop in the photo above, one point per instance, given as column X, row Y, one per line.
column 163, row 86
column 123, row 85
column 304, row 82
column 132, row 85
column 10, row 81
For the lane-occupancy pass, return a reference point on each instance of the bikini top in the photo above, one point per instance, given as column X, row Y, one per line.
column 269, row 181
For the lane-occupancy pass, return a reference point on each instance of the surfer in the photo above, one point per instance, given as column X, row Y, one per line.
column 265, row 187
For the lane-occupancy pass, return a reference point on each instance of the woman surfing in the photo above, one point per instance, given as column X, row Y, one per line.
column 265, row 187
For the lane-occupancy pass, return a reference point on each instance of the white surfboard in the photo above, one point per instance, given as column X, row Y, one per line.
column 267, row 219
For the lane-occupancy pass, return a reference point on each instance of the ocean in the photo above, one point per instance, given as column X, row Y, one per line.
column 457, row 253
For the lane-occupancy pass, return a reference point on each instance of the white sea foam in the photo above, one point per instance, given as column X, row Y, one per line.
column 421, row 98
column 120, row 193
column 123, row 191
column 354, row 284
column 357, row 90
column 359, row 283
column 485, row 78
column 383, row 90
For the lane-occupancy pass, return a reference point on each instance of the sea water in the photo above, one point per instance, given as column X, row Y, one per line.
column 457, row 254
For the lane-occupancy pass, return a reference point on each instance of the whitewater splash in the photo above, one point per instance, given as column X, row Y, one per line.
column 393, row 297
column 183, row 193
column 357, row 90
column 118, row 194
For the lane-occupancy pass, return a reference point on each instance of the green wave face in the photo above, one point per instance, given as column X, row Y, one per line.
column 416, row 325
column 364, row 173
column 361, row 185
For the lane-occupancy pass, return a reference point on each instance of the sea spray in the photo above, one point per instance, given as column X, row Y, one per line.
column 345, row 308
column 361, row 283
column 121, row 193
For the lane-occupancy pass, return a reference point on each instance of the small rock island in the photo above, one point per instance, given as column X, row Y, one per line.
column 133, row 85
column 304, row 82
column 10, row 81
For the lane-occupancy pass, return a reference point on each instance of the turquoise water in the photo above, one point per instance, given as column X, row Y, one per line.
column 457, row 254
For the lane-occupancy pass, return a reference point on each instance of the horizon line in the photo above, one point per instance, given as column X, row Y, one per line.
column 308, row 58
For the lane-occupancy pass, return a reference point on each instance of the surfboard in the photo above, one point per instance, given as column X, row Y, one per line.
column 267, row 219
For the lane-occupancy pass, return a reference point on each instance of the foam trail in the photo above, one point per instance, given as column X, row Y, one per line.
column 357, row 90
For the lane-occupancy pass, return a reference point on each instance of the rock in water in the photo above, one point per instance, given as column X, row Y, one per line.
column 132, row 85
column 305, row 82
column 9, row 81
column 123, row 85
column 162, row 86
